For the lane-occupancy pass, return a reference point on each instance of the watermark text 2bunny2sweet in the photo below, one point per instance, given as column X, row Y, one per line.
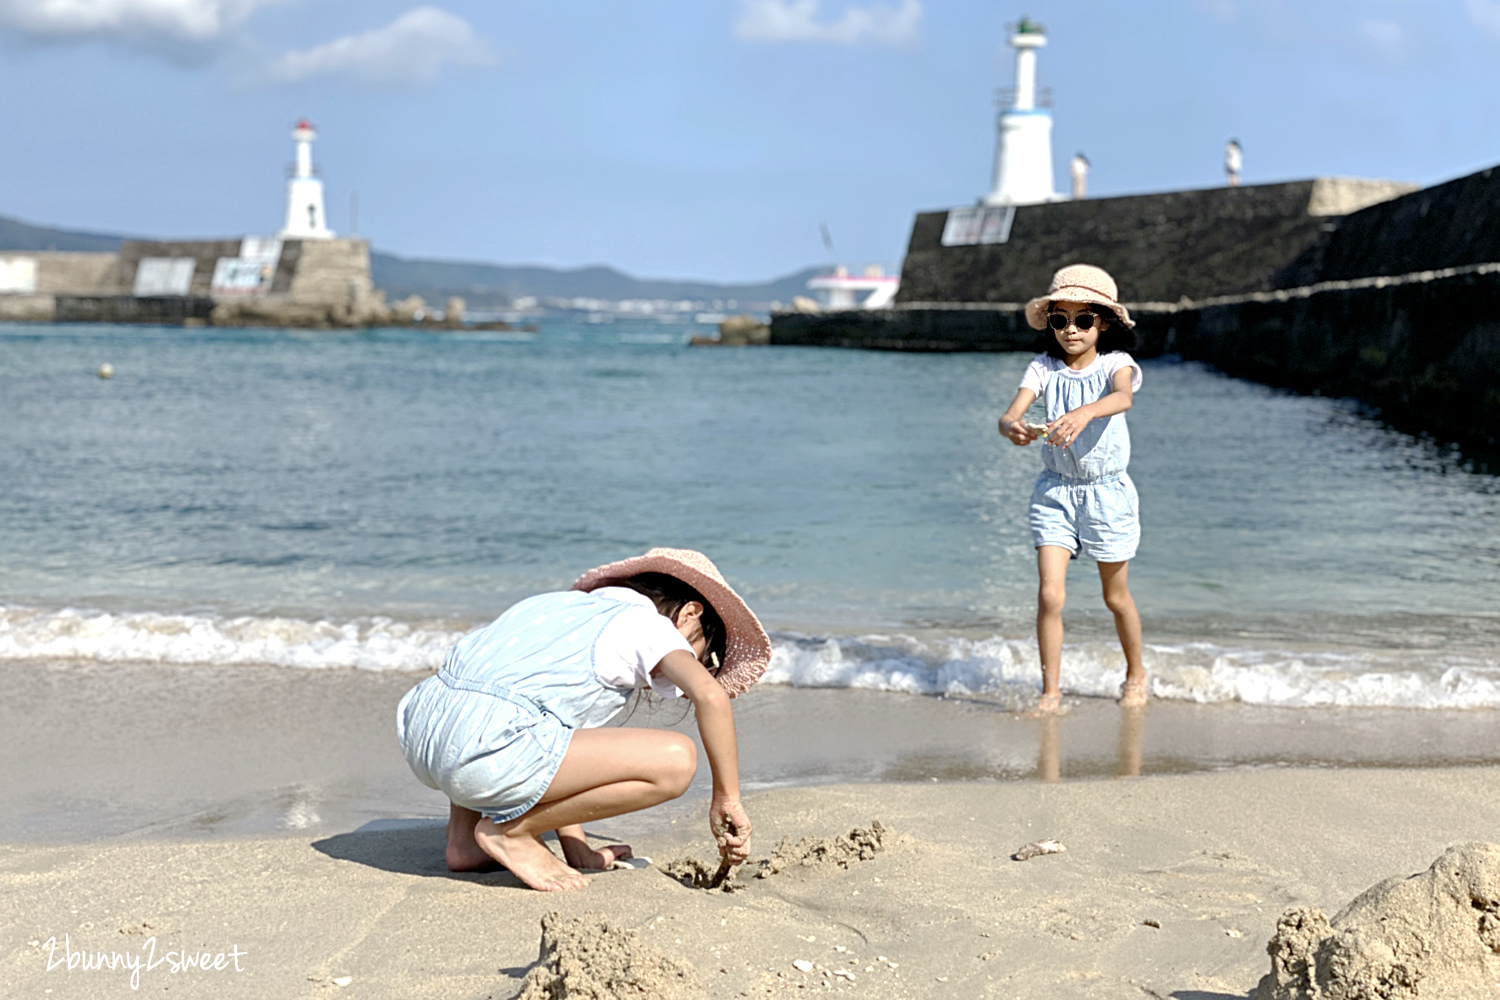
column 63, row 957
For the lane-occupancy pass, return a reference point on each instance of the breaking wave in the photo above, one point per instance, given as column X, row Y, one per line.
column 1198, row 672
column 363, row 643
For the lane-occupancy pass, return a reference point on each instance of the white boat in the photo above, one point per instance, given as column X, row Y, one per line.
column 843, row 289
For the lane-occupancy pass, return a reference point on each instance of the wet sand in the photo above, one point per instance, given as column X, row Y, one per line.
column 96, row 750
column 268, row 817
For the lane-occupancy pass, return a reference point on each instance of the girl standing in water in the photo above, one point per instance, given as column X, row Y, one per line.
column 1084, row 502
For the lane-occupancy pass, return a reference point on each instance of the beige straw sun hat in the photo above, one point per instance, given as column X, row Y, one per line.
column 1078, row 283
column 747, row 650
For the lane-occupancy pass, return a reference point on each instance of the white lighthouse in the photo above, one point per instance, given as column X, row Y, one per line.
column 305, row 218
column 1023, row 148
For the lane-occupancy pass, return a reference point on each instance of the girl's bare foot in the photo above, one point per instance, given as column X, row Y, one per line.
column 1050, row 704
column 463, row 854
column 468, row 859
column 527, row 858
column 1134, row 693
column 600, row 860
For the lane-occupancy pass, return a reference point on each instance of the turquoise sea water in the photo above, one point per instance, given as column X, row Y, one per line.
column 335, row 499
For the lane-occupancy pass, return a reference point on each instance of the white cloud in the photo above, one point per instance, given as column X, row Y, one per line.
column 1224, row 10
column 1386, row 38
column 413, row 49
column 190, row 23
column 797, row 21
column 1486, row 15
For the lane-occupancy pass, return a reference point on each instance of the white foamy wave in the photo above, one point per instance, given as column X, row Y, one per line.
column 363, row 643
column 1007, row 668
column 1199, row 672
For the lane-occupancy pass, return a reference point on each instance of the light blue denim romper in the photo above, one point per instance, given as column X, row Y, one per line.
column 489, row 730
column 1084, row 500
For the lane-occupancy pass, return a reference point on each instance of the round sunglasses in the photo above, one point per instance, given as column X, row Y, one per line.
column 1060, row 321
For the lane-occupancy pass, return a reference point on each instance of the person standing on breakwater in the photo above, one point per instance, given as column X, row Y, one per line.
column 1084, row 500
column 507, row 729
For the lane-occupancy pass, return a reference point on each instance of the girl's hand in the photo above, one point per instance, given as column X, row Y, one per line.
column 731, row 829
column 1065, row 429
column 1016, row 432
column 726, row 817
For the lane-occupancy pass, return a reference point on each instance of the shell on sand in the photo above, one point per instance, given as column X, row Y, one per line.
column 1038, row 847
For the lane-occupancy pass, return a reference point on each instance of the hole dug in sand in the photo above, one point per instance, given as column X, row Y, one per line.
column 588, row 957
column 696, row 875
column 1430, row 936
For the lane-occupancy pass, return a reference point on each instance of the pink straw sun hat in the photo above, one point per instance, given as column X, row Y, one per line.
column 1078, row 283
column 747, row 650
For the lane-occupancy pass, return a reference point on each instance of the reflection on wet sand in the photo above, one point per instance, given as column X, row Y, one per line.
column 1132, row 729
column 1049, row 751
column 1049, row 745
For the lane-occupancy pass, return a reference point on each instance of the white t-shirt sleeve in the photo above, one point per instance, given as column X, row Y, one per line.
column 631, row 646
column 1035, row 378
column 1119, row 359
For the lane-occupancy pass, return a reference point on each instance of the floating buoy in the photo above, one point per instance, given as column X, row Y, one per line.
column 106, row 370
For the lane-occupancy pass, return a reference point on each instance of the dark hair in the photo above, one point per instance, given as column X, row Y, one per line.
column 670, row 594
column 1118, row 337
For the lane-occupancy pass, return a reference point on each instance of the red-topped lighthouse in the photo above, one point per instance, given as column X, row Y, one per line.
column 305, row 217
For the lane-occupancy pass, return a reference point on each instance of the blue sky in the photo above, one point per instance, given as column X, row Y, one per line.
column 704, row 138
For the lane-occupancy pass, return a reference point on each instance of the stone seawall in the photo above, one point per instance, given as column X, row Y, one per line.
column 1215, row 241
column 322, row 284
column 997, row 326
column 165, row 310
column 1447, row 225
column 1424, row 351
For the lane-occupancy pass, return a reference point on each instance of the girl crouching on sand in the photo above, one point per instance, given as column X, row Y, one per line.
column 508, row 729
column 1084, row 501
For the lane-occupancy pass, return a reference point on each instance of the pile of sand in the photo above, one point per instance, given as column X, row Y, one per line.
column 860, row 844
column 1432, row 935
column 589, row 958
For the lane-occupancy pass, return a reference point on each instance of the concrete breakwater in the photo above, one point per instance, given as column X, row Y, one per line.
column 1215, row 241
column 1396, row 303
column 1423, row 348
column 254, row 281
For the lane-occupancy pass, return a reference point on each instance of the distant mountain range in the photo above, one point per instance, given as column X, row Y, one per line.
column 18, row 235
column 480, row 284
column 487, row 284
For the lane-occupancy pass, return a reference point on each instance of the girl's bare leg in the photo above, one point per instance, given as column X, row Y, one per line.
column 606, row 772
column 1133, row 693
column 1052, row 571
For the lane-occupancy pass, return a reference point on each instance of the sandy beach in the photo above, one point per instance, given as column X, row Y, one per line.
column 267, row 816
column 1213, row 859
